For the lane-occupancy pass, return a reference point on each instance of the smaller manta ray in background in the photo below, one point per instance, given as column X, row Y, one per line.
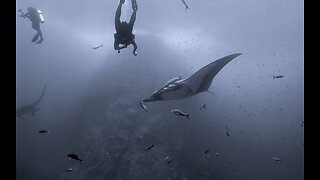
column 195, row 84
column 31, row 108
column 97, row 47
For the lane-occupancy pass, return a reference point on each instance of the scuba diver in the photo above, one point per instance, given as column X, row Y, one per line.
column 35, row 16
column 123, row 33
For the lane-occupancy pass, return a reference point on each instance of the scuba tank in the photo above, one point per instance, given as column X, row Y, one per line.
column 40, row 16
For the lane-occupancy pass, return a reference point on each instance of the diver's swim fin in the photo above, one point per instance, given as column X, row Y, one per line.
column 40, row 41
column 35, row 37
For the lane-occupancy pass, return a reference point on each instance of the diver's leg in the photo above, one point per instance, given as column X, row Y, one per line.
column 41, row 37
column 132, row 20
column 134, row 5
column 36, row 27
column 134, row 48
column 134, row 14
column 118, row 14
column 36, row 37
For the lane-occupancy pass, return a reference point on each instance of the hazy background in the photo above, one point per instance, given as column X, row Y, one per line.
column 91, row 106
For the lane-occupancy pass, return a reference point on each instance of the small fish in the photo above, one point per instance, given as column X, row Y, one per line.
column 180, row 113
column 75, row 157
column 206, row 152
column 97, row 47
column 302, row 123
column 144, row 107
column 278, row 76
column 140, row 137
column 217, row 154
column 69, row 169
column 228, row 133
column 166, row 157
column 43, row 131
column 238, row 86
column 277, row 159
column 148, row 148
column 203, row 106
column 169, row 162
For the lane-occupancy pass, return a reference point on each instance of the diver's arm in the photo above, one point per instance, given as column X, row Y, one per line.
column 135, row 47
column 132, row 20
column 25, row 15
column 134, row 5
column 122, row 47
column 134, row 14
column 118, row 47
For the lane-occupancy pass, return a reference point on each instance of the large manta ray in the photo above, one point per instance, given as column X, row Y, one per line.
column 30, row 108
column 197, row 83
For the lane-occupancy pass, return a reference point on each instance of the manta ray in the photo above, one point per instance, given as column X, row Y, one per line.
column 199, row 82
column 30, row 108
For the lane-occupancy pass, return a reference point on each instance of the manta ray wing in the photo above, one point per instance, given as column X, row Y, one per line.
column 201, row 80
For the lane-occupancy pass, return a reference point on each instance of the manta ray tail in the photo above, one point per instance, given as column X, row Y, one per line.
column 42, row 94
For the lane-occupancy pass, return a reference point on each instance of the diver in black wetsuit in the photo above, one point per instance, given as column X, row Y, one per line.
column 123, row 33
column 35, row 18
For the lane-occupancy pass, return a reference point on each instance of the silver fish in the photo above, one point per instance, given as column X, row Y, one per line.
column 97, row 47
column 277, row 159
